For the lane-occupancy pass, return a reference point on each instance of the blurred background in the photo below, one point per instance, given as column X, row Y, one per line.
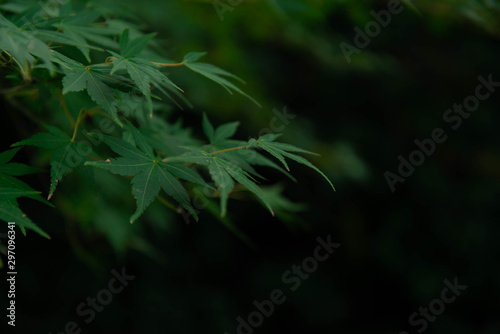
column 397, row 247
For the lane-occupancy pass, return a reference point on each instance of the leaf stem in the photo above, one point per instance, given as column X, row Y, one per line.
column 168, row 204
column 228, row 149
column 66, row 111
column 25, row 74
column 14, row 89
column 110, row 62
column 3, row 59
column 51, row 42
column 79, row 120
column 86, row 112
column 168, row 65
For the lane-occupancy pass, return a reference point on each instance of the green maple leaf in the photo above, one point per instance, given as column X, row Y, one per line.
column 24, row 46
column 94, row 79
column 10, row 212
column 220, row 140
column 281, row 151
column 10, row 169
column 64, row 157
column 214, row 73
column 49, row 36
column 150, row 173
column 131, row 48
column 224, row 174
column 143, row 73
column 10, row 193
column 229, row 160
column 12, row 188
column 76, row 31
column 221, row 134
column 168, row 139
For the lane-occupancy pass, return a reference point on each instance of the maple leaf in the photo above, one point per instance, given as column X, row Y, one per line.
column 150, row 173
column 64, row 156
column 281, row 151
column 23, row 46
column 224, row 174
column 92, row 78
column 12, row 188
column 219, row 139
column 143, row 72
column 214, row 73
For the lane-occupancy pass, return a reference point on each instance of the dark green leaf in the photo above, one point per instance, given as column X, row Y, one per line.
column 281, row 150
column 214, row 73
column 149, row 173
column 10, row 212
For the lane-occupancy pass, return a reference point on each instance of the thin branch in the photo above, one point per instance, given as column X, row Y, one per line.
column 228, row 149
column 168, row 204
column 14, row 89
column 107, row 62
column 66, row 111
column 79, row 121
column 81, row 117
column 168, row 65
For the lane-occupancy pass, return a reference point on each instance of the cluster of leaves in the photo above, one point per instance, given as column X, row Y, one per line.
column 223, row 157
column 112, row 70
column 12, row 188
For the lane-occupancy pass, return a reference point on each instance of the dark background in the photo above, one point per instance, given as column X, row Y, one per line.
column 397, row 247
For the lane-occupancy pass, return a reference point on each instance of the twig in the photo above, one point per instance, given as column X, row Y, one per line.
column 15, row 89
column 168, row 65
column 228, row 149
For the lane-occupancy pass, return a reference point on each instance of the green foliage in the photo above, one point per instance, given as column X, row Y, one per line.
column 97, row 68
column 64, row 156
column 150, row 173
column 281, row 150
column 213, row 73
column 95, row 80
column 19, row 42
column 11, row 189
column 221, row 159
